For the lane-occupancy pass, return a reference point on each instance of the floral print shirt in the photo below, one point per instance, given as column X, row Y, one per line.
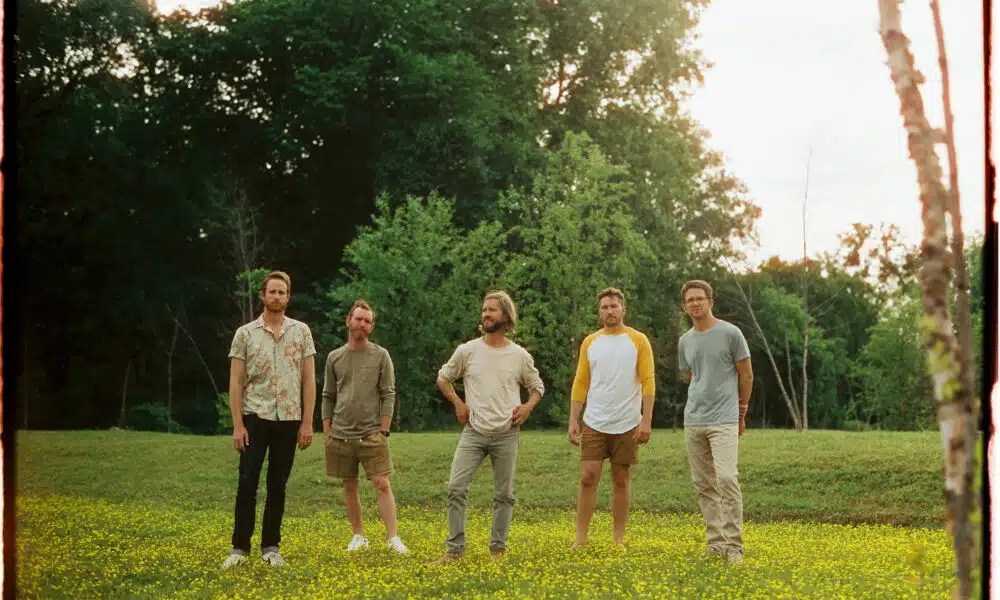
column 272, row 387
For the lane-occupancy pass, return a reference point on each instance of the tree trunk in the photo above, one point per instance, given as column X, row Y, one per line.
column 170, row 374
column 962, row 310
column 128, row 368
column 197, row 351
column 902, row 383
column 805, row 307
column 792, row 410
column 788, row 359
column 24, row 385
column 953, row 398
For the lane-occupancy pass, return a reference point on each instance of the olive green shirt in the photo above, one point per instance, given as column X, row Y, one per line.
column 358, row 390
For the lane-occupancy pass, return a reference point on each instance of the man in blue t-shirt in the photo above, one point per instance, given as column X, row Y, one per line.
column 714, row 355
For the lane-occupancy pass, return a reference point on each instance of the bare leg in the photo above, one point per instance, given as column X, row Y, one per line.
column 352, row 502
column 586, row 501
column 620, row 500
column 386, row 503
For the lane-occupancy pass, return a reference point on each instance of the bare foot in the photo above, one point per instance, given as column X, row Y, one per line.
column 578, row 544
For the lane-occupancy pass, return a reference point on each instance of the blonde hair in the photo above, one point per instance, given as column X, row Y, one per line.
column 276, row 275
column 615, row 292
column 506, row 307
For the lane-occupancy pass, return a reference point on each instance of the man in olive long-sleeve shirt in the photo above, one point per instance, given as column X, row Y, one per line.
column 358, row 398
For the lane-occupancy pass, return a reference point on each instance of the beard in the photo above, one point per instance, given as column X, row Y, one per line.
column 494, row 326
column 276, row 305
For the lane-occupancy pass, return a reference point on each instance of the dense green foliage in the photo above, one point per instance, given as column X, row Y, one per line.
column 416, row 154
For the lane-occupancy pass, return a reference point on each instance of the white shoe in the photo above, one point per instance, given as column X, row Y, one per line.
column 734, row 557
column 396, row 545
column 357, row 543
column 234, row 559
column 273, row 558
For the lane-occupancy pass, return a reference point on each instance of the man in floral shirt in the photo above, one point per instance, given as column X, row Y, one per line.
column 272, row 393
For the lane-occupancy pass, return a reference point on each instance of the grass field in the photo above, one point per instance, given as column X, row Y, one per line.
column 828, row 515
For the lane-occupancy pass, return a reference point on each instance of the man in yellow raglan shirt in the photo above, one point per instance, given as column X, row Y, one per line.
column 615, row 378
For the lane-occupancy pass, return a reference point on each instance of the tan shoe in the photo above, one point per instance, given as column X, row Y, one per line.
column 447, row 558
column 498, row 553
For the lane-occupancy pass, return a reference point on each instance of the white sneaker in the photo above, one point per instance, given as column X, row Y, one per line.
column 734, row 557
column 234, row 559
column 396, row 545
column 273, row 558
column 357, row 543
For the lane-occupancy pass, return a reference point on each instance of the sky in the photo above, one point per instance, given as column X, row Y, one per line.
column 790, row 75
column 793, row 75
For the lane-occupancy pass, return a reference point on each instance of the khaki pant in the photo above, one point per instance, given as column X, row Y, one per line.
column 473, row 447
column 712, row 455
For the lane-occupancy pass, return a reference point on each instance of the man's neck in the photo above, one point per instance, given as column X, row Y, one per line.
column 615, row 330
column 274, row 320
column 705, row 323
column 355, row 344
column 497, row 339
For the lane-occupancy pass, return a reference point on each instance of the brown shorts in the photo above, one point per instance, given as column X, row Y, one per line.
column 344, row 456
column 621, row 448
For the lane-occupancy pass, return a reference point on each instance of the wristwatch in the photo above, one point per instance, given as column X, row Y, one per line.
column 384, row 432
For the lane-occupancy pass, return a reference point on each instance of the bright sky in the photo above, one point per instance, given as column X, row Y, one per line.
column 790, row 74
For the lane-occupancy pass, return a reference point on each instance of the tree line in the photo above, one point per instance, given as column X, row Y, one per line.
column 419, row 155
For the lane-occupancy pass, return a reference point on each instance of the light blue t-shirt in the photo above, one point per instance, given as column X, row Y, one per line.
column 713, row 394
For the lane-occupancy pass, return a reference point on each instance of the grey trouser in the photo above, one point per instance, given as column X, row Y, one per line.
column 712, row 454
column 473, row 447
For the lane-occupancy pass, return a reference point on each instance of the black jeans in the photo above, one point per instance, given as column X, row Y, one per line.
column 281, row 438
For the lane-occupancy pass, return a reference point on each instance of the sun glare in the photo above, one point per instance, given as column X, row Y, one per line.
column 169, row 6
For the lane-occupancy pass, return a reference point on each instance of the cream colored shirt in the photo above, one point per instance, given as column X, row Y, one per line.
column 492, row 378
column 272, row 387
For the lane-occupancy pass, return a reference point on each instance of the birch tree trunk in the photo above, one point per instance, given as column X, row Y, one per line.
column 953, row 399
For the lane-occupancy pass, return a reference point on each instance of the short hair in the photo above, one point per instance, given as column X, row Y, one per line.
column 360, row 303
column 506, row 307
column 276, row 275
column 615, row 292
column 696, row 284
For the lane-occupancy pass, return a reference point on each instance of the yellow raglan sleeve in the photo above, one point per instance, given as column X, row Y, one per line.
column 644, row 362
column 581, row 383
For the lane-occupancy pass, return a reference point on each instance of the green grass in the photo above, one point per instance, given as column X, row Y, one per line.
column 827, row 476
column 829, row 514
